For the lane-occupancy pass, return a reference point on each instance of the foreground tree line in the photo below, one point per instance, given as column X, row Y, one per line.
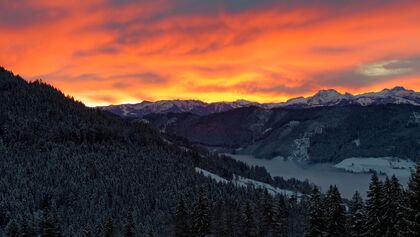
column 389, row 210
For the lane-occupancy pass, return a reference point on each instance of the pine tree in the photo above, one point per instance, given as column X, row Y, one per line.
column 12, row 229
column 413, row 209
column 316, row 217
column 201, row 218
column 266, row 214
column 129, row 226
column 87, row 232
column 27, row 228
column 280, row 218
column 248, row 222
column 357, row 216
column 50, row 226
column 392, row 206
column 108, row 230
column 375, row 208
column 228, row 219
column 152, row 233
column 182, row 228
column 335, row 216
column 402, row 215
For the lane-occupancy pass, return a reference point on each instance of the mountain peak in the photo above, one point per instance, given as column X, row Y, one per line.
column 398, row 88
column 244, row 102
column 328, row 91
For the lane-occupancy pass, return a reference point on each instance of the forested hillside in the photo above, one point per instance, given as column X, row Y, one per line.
column 325, row 134
column 64, row 163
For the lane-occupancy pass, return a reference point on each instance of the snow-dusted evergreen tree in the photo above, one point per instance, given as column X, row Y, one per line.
column 357, row 216
column 129, row 226
column 280, row 218
column 316, row 222
column 375, row 208
column 27, row 228
column 248, row 226
column 12, row 229
column 50, row 226
column 392, row 206
column 266, row 219
column 335, row 213
column 87, row 232
column 201, row 216
column 413, row 209
column 109, row 230
column 182, row 228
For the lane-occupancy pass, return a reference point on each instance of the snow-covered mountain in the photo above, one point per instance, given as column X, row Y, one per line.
column 330, row 97
column 176, row 106
column 397, row 95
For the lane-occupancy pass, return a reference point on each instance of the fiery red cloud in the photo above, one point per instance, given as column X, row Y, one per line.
column 110, row 51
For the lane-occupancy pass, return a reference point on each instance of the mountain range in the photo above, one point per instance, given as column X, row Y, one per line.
column 325, row 127
column 330, row 97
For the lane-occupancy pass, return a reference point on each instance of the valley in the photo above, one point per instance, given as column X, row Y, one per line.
column 323, row 175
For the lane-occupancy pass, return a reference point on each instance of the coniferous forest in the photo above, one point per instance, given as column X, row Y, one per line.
column 69, row 170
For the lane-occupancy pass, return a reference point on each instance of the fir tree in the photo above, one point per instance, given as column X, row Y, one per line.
column 266, row 214
column 316, row 217
column 248, row 222
column 182, row 228
column 108, row 230
column 152, row 233
column 129, row 226
column 201, row 218
column 228, row 227
column 12, row 229
column 392, row 206
column 280, row 218
column 50, row 226
column 402, row 215
column 335, row 216
column 357, row 216
column 87, row 232
column 27, row 228
column 375, row 208
column 413, row 209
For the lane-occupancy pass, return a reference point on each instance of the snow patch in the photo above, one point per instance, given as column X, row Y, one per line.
column 385, row 165
column 357, row 142
column 245, row 182
column 416, row 118
column 301, row 145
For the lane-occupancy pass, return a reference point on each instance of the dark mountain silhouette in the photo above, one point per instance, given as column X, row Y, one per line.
column 322, row 134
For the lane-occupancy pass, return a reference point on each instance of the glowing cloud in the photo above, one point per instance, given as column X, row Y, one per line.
column 384, row 68
column 114, row 51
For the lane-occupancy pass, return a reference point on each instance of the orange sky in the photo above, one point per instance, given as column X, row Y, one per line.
column 118, row 51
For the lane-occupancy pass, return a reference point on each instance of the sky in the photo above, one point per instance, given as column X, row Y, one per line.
column 125, row 51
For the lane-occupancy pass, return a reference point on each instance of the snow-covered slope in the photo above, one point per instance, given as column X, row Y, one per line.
column 245, row 182
column 384, row 165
